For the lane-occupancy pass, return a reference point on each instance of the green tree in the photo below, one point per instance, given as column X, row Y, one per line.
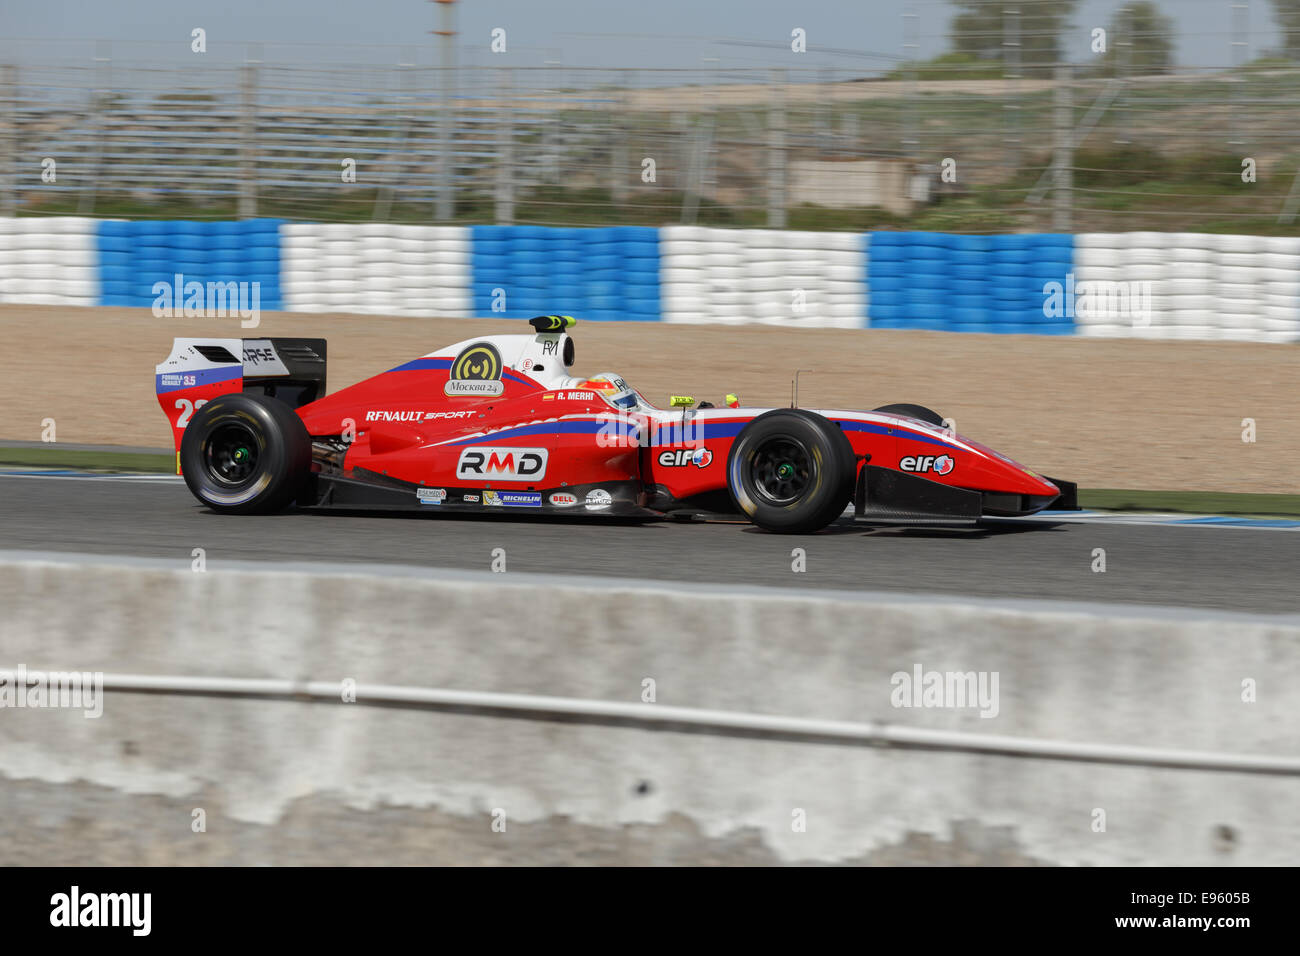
column 1139, row 41
column 1003, row 29
column 1287, row 13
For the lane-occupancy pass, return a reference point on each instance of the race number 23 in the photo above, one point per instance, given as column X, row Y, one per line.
column 188, row 408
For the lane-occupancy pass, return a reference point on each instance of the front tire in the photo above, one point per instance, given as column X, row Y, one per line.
column 245, row 454
column 791, row 471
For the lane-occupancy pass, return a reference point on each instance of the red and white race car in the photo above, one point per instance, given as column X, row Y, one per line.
column 500, row 423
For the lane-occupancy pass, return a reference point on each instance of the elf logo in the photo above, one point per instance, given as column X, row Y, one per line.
column 505, row 464
column 940, row 465
column 699, row 457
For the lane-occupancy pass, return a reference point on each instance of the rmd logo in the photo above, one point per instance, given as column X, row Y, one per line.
column 504, row 464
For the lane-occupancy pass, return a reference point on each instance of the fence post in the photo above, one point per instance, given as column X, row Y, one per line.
column 909, row 100
column 505, row 185
column 445, row 206
column 1239, row 54
column 618, row 151
column 8, row 145
column 99, row 100
column 248, row 142
column 776, row 158
column 1063, row 155
column 392, row 167
column 1012, row 72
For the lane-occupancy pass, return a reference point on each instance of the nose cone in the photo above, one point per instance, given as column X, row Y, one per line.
column 1008, row 475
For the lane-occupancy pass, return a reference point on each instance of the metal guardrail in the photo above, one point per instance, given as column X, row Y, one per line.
column 699, row 720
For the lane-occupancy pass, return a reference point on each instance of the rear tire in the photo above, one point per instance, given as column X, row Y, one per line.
column 913, row 411
column 791, row 471
column 245, row 454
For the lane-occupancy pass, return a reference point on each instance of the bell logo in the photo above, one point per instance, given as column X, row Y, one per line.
column 922, row 463
column 503, row 464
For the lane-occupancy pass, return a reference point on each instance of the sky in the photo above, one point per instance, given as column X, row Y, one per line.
column 646, row 34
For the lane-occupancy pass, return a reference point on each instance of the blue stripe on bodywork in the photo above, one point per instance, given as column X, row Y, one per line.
column 546, row 428
column 732, row 429
column 876, row 429
column 426, row 364
column 422, row 364
column 711, row 430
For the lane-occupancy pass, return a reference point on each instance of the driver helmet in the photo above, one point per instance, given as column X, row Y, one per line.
column 613, row 389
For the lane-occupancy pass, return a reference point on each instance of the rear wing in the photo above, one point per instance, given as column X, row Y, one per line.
column 291, row 370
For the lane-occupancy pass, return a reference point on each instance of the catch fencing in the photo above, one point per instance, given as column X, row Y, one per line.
column 782, row 146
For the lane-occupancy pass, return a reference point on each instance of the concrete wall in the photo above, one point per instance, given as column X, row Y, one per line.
column 295, row 782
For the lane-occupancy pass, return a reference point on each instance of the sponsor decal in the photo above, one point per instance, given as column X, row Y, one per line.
column 550, row 346
column 478, row 362
column 469, row 499
column 569, row 396
column 377, row 416
column 522, row 499
column 261, row 358
column 182, row 380
column 562, row 499
column 431, row 496
column 465, row 414
column 699, row 457
column 940, row 465
column 599, row 499
column 513, row 499
column 503, row 464
column 476, row 372
column 473, row 388
column 525, row 365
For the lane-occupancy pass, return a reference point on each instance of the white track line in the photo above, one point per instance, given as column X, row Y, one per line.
column 1141, row 518
column 61, row 476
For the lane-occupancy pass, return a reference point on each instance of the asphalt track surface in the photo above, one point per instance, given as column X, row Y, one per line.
column 1238, row 569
